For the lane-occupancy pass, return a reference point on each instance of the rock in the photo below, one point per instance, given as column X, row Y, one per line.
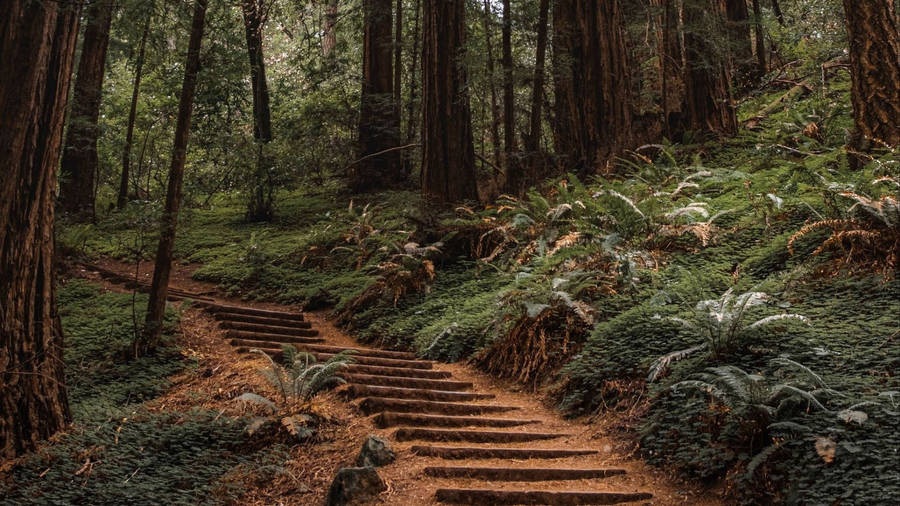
column 376, row 452
column 353, row 485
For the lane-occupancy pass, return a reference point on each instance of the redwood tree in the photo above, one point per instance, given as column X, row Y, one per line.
column 515, row 178
column 875, row 72
column 79, row 161
column 448, row 153
column 737, row 18
column 379, row 117
column 709, row 106
column 37, row 47
column 156, row 306
column 592, row 82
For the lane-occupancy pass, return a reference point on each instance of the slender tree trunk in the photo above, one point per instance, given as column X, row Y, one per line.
column 448, row 153
column 537, row 91
column 156, row 306
column 398, row 57
column 37, row 47
column 759, row 34
column 132, row 115
column 738, row 28
column 79, row 160
column 592, row 82
column 495, row 103
column 515, row 178
column 379, row 121
column 412, row 111
column 329, row 37
column 776, row 8
column 875, row 72
column 260, row 207
column 709, row 106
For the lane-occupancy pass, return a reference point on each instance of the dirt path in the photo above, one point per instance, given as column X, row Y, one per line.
column 460, row 436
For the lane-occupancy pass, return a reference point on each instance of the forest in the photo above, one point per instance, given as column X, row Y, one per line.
column 412, row 252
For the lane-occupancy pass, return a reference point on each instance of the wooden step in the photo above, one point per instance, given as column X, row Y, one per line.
column 402, row 372
column 519, row 473
column 214, row 307
column 392, row 381
column 361, row 352
column 278, row 338
column 371, row 405
column 477, row 452
column 383, row 362
column 269, row 329
column 471, row 436
column 360, row 390
column 261, row 320
column 390, row 419
column 485, row 496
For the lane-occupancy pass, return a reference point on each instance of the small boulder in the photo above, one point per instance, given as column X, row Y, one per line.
column 376, row 452
column 353, row 485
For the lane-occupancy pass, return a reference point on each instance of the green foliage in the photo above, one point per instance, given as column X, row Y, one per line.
column 302, row 377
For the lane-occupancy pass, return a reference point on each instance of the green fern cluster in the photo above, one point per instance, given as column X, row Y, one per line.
column 302, row 376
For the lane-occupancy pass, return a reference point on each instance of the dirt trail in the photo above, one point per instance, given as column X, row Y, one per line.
column 452, row 446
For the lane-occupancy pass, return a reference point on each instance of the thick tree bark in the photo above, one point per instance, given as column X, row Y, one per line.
column 79, row 161
column 261, row 206
column 379, row 120
column 329, row 37
column 760, row 39
column 132, row 115
column 533, row 142
column 709, row 106
column 492, row 84
column 515, row 178
column 875, row 72
column 448, row 153
column 738, row 28
column 592, row 83
column 156, row 306
column 37, row 47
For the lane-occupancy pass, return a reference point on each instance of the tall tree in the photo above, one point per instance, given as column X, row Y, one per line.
column 737, row 18
column 495, row 103
column 37, row 47
column 671, row 67
column 448, row 152
column 79, row 161
column 132, row 115
column 162, row 270
column 398, row 57
column 592, row 81
column 875, row 73
column 760, row 40
column 379, row 119
column 411, row 109
column 515, row 178
column 709, row 106
column 533, row 141
column 261, row 205
column 329, row 37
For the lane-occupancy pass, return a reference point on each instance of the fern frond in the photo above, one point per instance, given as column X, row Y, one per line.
column 663, row 362
column 769, row 319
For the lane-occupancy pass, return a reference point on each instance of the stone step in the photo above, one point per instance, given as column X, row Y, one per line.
column 477, row 452
column 277, row 338
column 371, row 405
column 470, row 436
column 359, row 390
column 390, row 419
column 519, row 473
column 215, row 307
column 484, row 496
column 269, row 329
column 262, row 320
column 403, row 372
column 392, row 381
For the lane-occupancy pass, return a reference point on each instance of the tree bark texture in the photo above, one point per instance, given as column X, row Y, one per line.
column 875, row 72
column 162, row 270
column 709, row 106
column 79, row 160
column 37, row 48
column 448, row 153
column 515, row 177
column 379, row 120
column 739, row 42
column 329, row 37
column 592, row 82
column 760, row 40
column 132, row 115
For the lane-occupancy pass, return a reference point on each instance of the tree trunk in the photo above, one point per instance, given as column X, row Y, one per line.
column 738, row 28
column 592, row 82
column 495, row 105
column 412, row 110
column 761, row 64
column 875, row 72
column 709, row 107
column 398, row 58
column 329, row 36
column 156, row 306
column 537, row 91
column 515, row 178
column 260, row 207
column 37, row 48
column 671, row 69
column 776, row 8
column 79, row 160
column 379, row 122
column 448, row 153
column 132, row 115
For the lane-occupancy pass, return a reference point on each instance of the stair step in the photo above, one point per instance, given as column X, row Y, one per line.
column 262, row 320
column 476, row 452
column 390, row 419
column 360, row 390
column 269, row 329
column 269, row 338
column 362, row 352
column 403, row 372
column 471, row 436
column 392, row 381
column 483, row 496
column 371, row 405
column 519, row 474
column 383, row 362
column 223, row 308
